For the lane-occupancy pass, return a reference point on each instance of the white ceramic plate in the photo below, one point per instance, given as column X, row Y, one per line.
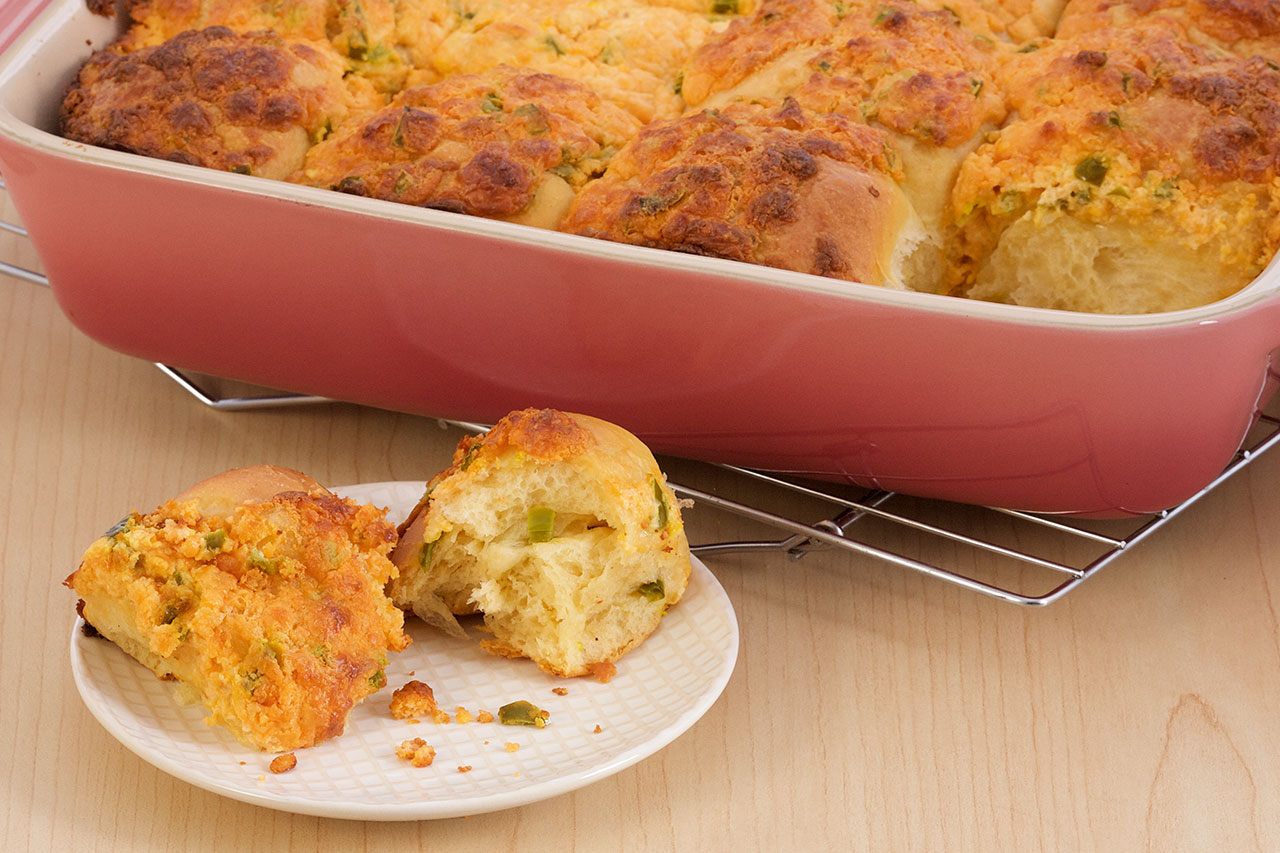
column 662, row 688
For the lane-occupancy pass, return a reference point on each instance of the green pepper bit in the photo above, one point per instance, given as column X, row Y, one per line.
column 664, row 510
column 1092, row 169
column 542, row 524
column 522, row 713
column 215, row 540
column 654, row 590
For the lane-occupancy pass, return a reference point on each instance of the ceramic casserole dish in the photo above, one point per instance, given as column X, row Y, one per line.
column 436, row 313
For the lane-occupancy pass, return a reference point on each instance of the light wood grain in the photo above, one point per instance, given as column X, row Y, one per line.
column 870, row 709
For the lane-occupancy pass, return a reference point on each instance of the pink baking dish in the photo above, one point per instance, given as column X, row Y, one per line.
column 435, row 313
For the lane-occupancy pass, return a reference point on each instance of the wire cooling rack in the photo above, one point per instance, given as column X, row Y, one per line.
column 1018, row 557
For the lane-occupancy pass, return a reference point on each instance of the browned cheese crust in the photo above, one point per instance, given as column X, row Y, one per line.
column 492, row 145
column 362, row 32
column 1246, row 28
column 273, row 613
column 917, row 72
column 248, row 103
column 778, row 186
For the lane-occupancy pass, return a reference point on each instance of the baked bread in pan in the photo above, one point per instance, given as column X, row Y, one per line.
column 560, row 529
column 259, row 590
column 1028, row 151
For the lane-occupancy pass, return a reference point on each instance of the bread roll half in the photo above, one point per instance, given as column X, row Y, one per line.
column 560, row 529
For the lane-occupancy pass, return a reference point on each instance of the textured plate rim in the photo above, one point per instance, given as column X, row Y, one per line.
column 152, row 753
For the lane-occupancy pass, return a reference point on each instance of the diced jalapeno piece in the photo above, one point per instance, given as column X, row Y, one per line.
column 1092, row 169
column 424, row 556
column 215, row 540
column 724, row 7
column 664, row 510
column 377, row 679
column 542, row 524
column 654, row 590
column 261, row 562
column 522, row 713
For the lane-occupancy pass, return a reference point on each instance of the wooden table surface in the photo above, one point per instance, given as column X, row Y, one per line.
column 870, row 708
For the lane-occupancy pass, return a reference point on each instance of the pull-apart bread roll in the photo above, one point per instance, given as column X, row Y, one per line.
column 560, row 529
column 259, row 590
column 779, row 186
column 508, row 144
column 1139, row 176
column 248, row 103
column 922, row 75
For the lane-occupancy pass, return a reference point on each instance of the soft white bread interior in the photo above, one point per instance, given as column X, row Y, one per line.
column 560, row 529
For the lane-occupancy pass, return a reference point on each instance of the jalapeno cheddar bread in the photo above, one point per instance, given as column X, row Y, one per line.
column 560, row 529
column 1111, row 156
column 259, row 590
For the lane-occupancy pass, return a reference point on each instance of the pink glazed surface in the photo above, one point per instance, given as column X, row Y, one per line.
column 439, row 314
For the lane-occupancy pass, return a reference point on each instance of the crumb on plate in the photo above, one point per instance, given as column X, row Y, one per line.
column 283, row 763
column 414, row 699
column 417, row 752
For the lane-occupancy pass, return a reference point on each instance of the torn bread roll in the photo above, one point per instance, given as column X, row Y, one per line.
column 560, row 529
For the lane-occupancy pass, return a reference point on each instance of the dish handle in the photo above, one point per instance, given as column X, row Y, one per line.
column 14, row 17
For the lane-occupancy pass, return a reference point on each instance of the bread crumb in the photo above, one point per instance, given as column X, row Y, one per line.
column 412, row 721
column 560, row 691
column 484, row 717
column 462, row 715
column 464, row 768
column 603, row 672
column 242, row 763
column 440, row 717
column 597, row 729
column 262, row 778
column 417, row 752
column 414, row 699
column 511, row 747
column 283, row 763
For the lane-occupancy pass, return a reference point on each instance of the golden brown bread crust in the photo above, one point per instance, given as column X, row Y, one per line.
column 1133, row 126
column 249, row 103
column 938, row 76
column 778, row 27
column 917, row 72
column 157, row 21
column 628, row 52
column 272, row 610
column 778, row 186
column 1246, row 28
column 478, row 144
column 362, row 32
